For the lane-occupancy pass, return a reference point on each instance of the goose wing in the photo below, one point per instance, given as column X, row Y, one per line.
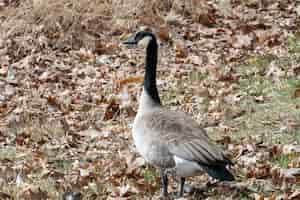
column 184, row 137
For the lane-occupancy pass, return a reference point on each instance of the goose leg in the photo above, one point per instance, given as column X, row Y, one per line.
column 181, row 188
column 164, row 181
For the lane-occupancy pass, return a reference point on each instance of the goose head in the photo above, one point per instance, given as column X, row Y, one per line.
column 141, row 38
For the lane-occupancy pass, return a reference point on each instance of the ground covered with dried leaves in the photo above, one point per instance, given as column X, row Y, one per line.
column 69, row 90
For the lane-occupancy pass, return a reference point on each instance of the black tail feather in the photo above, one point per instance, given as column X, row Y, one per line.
column 219, row 172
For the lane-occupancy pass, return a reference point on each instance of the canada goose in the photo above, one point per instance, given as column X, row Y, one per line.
column 172, row 140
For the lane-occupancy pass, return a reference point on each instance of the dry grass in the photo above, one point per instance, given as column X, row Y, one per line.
column 60, row 18
column 63, row 23
column 35, row 25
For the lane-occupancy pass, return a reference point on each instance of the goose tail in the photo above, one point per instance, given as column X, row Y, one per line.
column 219, row 172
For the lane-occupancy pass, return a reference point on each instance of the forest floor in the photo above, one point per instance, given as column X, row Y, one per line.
column 69, row 91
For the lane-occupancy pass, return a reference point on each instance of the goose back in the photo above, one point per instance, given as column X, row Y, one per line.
column 176, row 134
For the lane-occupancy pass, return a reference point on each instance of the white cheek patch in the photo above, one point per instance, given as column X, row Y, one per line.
column 145, row 41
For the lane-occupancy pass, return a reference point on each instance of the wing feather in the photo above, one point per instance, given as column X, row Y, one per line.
column 184, row 137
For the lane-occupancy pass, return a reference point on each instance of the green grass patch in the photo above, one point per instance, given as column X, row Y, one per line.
column 196, row 76
column 282, row 161
column 293, row 43
column 296, row 136
column 64, row 165
column 256, row 86
column 287, row 87
column 266, row 118
column 260, row 62
column 149, row 175
column 8, row 153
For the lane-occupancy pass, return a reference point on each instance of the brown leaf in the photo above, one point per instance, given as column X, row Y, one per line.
column 5, row 196
column 259, row 197
column 295, row 195
column 297, row 69
column 181, row 51
column 123, row 82
column 143, row 185
column 200, row 91
column 207, row 19
column 269, row 37
column 164, row 34
column 33, row 193
column 3, row 70
column 111, row 110
column 273, row 197
column 100, row 47
column 296, row 93
column 260, row 171
column 225, row 140
column 85, row 55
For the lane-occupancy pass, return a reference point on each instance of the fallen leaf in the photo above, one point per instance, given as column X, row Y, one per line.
column 206, row 19
column 295, row 195
column 124, row 82
column 242, row 41
column 296, row 93
column 111, row 110
column 31, row 192
column 164, row 33
column 5, row 196
column 258, row 197
column 181, row 51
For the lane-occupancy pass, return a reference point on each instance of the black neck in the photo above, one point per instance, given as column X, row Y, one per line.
column 150, row 74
